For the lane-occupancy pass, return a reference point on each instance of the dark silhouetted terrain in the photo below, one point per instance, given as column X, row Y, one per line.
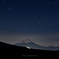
column 19, row 51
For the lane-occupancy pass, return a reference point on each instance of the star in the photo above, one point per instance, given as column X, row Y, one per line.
column 5, row 31
column 9, row 8
column 41, row 25
column 54, row 2
column 2, row 23
column 49, row 2
column 24, row 28
column 39, row 22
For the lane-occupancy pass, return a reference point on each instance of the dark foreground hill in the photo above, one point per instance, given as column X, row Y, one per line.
column 5, row 45
column 8, row 50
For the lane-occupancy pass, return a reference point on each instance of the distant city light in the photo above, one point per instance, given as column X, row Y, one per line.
column 28, row 47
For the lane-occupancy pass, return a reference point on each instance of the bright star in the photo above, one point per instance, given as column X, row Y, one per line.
column 2, row 23
column 9, row 8
column 49, row 2
column 39, row 22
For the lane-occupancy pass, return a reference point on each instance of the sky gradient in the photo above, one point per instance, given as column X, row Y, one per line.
column 37, row 20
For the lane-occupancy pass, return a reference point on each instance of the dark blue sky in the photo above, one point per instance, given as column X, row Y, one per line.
column 37, row 20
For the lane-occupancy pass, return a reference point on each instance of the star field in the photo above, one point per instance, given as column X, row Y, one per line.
column 29, row 17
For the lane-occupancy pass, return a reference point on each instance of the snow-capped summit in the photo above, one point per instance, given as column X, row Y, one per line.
column 26, row 41
column 29, row 44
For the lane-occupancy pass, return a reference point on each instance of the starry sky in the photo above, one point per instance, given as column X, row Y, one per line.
column 37, row 20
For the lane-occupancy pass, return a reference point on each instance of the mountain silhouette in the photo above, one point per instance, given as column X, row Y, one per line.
column 6, row 45
column 29, row 43
column 20, row 51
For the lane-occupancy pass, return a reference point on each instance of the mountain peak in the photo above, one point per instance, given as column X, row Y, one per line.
column 26, row 41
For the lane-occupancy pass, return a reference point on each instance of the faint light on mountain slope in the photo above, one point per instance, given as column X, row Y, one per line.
column 28, row 47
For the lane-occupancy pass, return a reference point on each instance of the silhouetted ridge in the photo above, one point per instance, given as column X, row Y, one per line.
column 22, row 51
column 5, row 45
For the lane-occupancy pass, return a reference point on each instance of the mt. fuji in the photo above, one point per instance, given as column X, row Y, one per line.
column 29, row 43
column 26, row 41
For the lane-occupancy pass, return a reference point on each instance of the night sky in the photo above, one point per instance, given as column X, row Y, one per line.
column 37, row 20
